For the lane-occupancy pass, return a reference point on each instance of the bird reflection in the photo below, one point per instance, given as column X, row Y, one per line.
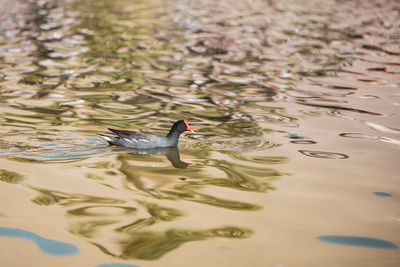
column 172, row 154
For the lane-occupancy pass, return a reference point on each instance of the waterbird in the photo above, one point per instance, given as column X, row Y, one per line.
column 138, row 140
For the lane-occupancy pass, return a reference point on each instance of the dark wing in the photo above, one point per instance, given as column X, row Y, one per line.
column 130, row 134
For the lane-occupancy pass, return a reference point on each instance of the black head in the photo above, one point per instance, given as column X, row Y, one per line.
column 179, row 127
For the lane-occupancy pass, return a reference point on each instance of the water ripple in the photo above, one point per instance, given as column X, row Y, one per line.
column 323, row 154
column 246, row 144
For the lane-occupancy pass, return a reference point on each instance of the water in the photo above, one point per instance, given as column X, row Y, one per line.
column 358, row 241
column 47, row 246
column 296, row 113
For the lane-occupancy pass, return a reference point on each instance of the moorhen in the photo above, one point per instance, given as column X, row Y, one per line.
column 147, row 141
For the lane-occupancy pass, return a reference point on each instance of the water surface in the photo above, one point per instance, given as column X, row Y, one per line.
column 295, row 108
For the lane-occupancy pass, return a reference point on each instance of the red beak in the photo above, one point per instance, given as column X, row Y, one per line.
column 188, row 127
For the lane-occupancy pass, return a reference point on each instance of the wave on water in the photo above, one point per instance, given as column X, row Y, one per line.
column 239, row 144
column 58, row 151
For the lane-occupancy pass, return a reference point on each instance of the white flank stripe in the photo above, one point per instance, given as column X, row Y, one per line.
column 106, row 138
column 129, row 140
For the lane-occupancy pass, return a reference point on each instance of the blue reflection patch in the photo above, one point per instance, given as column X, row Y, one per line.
column 224, row 248
column 382, row 194
column 117, row 265
column 295, row 136
column 47, row 246
column 359, row 241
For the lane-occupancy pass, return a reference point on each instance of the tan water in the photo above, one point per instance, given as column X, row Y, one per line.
column 295, row 159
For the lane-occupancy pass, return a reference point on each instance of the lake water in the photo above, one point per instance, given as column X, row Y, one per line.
column 295, row 158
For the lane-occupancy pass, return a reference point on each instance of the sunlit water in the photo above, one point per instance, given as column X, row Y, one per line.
column 294, row 161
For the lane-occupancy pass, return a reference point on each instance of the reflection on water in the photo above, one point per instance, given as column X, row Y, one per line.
column 146, row 174
column 380, row 138
column 359, row 241
column 224, row 248
column 57, row 152
column 157, row 214
column 153, row 245
column 249, row 75
column 382, row 194
column 47, row 246
column 117, row 265
column 171, row 153
column 323, row 154
column 10, row 177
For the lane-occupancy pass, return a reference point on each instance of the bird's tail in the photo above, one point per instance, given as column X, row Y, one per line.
column 109, row 139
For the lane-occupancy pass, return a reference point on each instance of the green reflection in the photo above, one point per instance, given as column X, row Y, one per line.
column 44, row 199
column 211, row 200
column 50, row 197
column 10, row 177
column 158, row 214
column 89, row 229
column 26, row 160
column 85, row 211
column 234, row 176
column 134, row 173
column 153, row 245
column 100, row 165
column 94, row 176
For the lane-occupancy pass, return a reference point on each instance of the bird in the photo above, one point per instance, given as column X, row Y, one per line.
column 138, row 140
